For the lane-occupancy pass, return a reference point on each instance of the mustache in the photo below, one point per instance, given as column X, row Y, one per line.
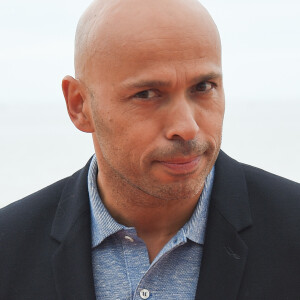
column 179, row 148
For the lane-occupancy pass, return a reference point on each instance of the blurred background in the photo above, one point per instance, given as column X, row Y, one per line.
column 39, row 144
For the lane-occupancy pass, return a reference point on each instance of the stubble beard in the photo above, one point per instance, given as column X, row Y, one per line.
column 150, row 192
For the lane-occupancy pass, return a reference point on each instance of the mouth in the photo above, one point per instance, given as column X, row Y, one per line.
column 182, row 165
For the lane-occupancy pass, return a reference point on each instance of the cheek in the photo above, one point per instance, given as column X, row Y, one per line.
column 124, row 138
column 107, row 132
column 210, row 122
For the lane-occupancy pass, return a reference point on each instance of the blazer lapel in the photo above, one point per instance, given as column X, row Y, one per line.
column 225, row 253
column 72, row 264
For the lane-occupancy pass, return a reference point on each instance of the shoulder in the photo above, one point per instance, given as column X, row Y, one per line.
column 271, row 187
column 257, row 175
column 258, row 181
column 32, row 216
column 31, row 211
column 25, row 228
column 274, row 203
column 42, row 205
column 270, row 199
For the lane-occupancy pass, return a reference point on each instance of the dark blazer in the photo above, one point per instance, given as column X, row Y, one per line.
column 251, row 251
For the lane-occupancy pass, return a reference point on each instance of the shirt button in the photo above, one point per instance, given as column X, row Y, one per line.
column 129, row 238
column 145, row 294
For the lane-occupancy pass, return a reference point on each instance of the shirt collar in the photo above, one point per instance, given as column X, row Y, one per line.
column 194, row 229
column 103, row 225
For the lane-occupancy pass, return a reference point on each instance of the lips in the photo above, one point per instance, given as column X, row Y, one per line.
column 182, row 165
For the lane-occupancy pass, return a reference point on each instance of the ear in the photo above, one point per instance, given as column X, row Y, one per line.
column 77, row 104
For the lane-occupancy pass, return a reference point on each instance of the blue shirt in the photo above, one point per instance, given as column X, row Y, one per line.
column 120, row 259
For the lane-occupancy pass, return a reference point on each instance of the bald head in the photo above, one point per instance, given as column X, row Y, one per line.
column 109, row 26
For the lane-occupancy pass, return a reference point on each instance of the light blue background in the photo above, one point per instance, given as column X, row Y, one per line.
column 39, row 145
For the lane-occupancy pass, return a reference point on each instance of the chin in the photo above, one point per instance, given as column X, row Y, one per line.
column 177, row 191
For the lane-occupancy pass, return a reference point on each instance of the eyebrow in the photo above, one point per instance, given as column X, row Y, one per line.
column 208, row 77
column 161, row 83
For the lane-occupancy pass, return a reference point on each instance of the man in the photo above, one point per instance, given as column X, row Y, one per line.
column 159, row 212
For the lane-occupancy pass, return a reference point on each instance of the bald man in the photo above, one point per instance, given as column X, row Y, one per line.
column 159, row 212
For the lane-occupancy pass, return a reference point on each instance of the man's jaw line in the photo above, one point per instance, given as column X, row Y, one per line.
column 159, row 201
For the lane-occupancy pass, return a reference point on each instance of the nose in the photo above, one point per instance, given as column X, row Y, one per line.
column 181, row 121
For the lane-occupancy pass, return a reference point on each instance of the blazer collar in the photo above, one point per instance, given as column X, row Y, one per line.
column 72, row 264
column 230, row 194
column 225, row 253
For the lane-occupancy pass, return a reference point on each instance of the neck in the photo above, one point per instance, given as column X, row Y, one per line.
column 155, row 220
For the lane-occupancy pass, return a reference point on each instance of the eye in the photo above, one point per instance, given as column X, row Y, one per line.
column 203, row 87
column 147, row 94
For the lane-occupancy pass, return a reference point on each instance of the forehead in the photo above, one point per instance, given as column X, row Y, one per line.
column 157, row 59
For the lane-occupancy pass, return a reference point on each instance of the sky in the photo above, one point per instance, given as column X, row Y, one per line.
column 261, row 63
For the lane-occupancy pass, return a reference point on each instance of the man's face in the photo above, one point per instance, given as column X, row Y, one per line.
column 157, row 107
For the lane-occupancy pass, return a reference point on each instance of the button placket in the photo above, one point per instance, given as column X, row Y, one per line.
column 136, row 259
